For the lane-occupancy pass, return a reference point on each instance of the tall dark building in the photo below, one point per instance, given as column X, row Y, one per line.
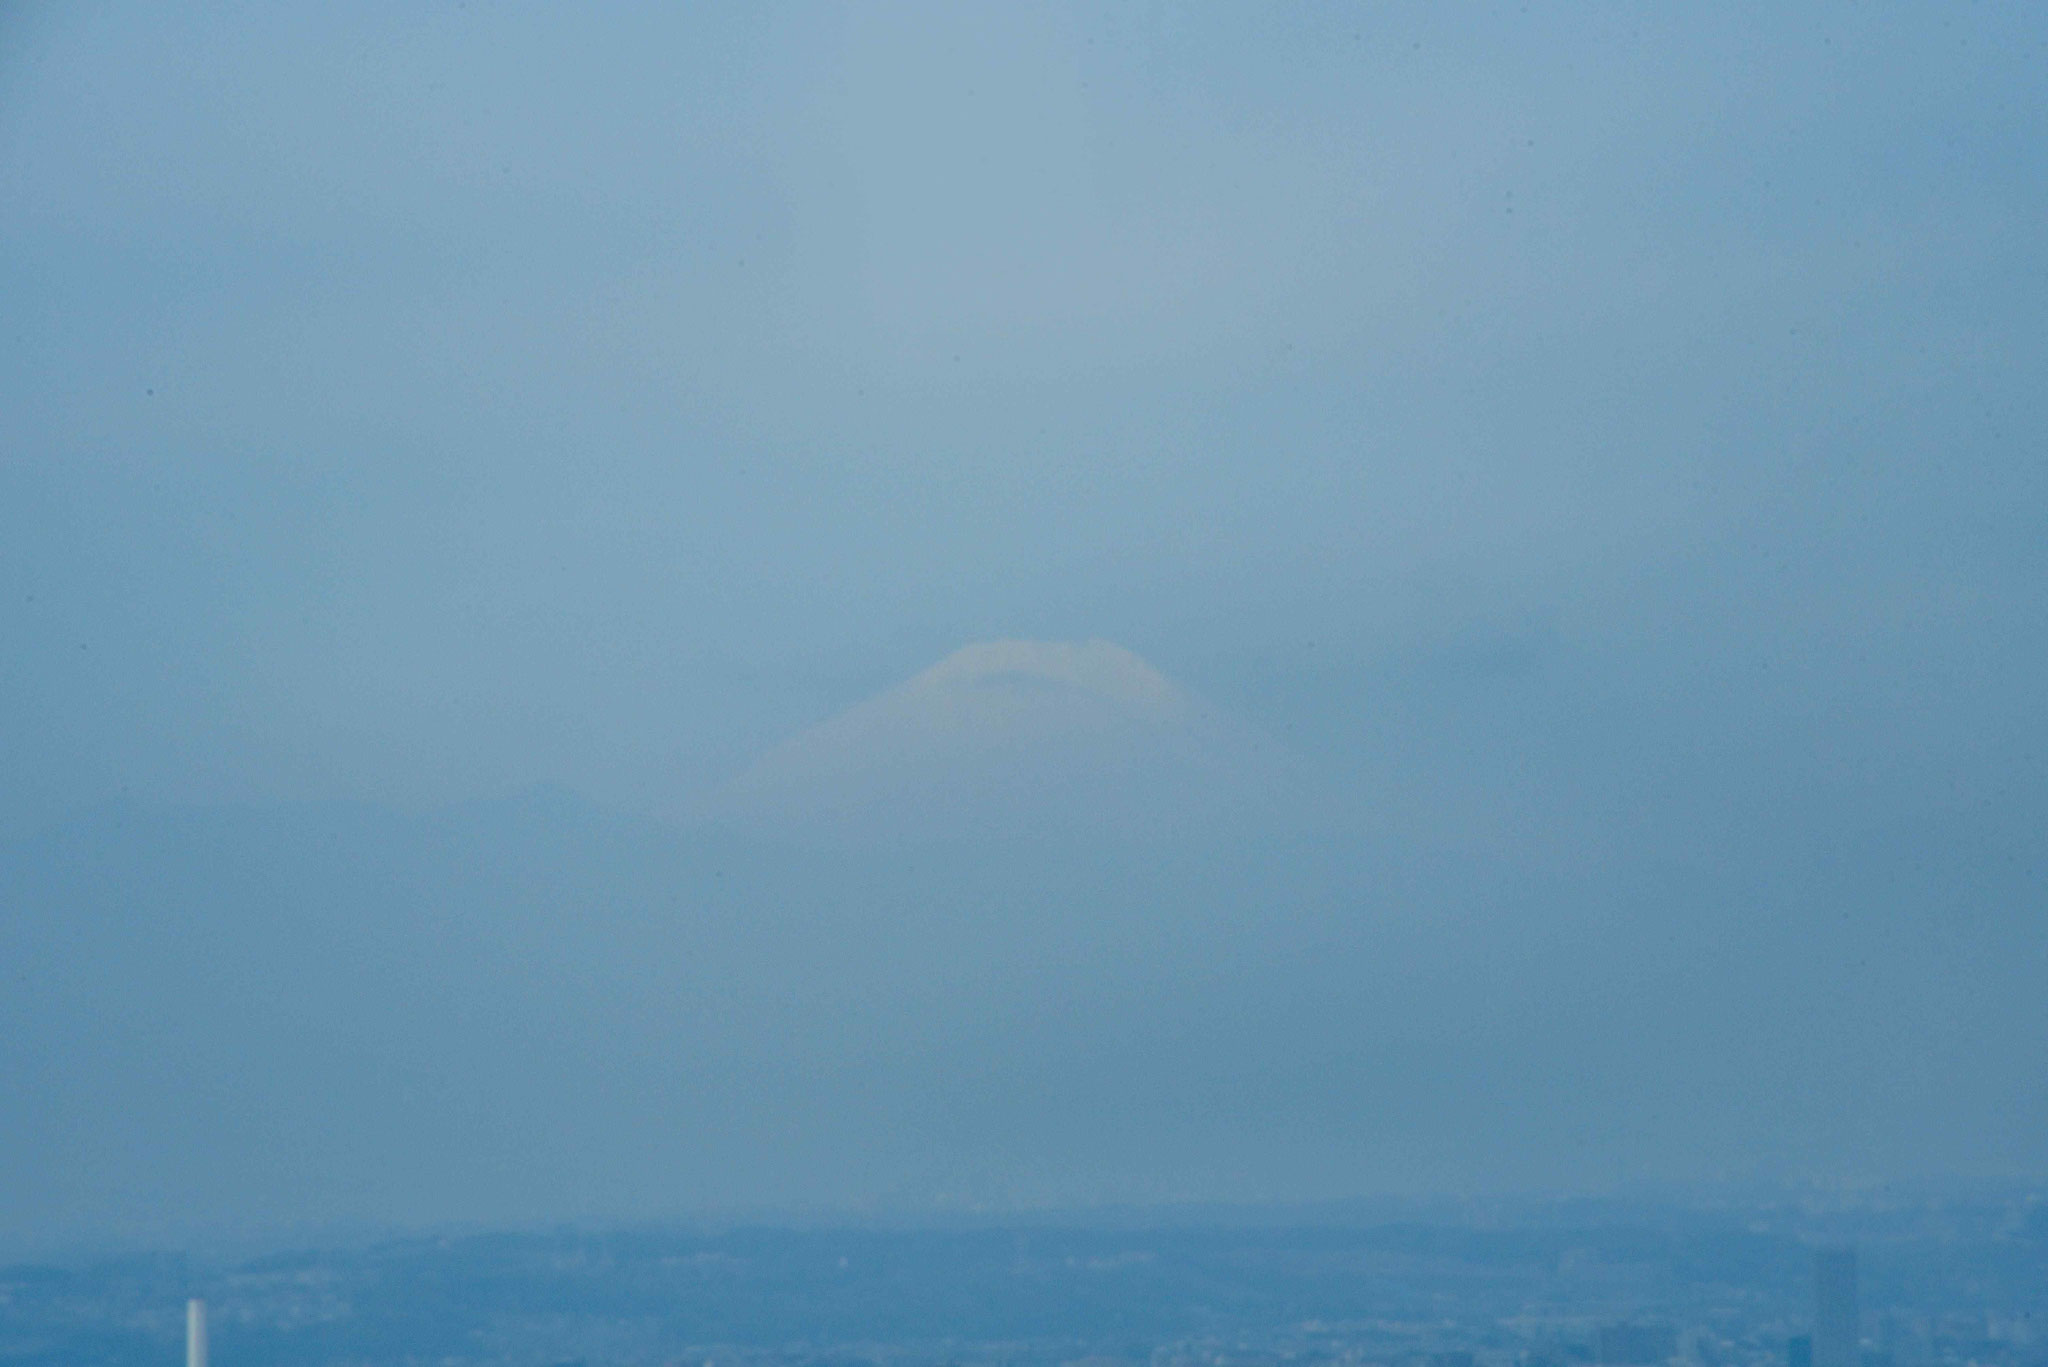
column 1837, row 1330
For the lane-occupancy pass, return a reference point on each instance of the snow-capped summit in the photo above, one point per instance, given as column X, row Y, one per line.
column 1009, row 738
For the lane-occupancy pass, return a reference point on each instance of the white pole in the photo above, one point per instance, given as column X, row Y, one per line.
column 195, row 1333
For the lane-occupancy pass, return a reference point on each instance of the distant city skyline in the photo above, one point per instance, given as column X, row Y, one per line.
column 1713, row 1282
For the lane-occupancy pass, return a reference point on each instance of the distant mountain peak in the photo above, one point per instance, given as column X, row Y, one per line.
column 995, row 694
column 1004, row 737
column 1099, row 667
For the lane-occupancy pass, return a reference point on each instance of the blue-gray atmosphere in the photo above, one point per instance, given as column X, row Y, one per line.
column 633, row 614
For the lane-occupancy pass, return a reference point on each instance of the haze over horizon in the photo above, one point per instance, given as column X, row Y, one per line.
column 646, row 610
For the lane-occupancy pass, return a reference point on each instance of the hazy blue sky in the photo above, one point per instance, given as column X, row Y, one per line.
column 1603, row 439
